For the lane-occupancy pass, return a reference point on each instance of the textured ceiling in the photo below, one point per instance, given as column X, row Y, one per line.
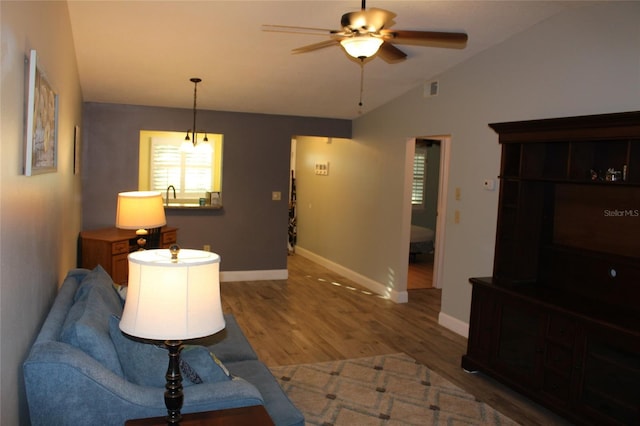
column 144, row 52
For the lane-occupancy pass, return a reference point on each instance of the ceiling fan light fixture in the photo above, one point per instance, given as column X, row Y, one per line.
column 361, row 47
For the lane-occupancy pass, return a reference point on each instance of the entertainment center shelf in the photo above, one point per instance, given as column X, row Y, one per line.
column 574, row 161
column 559, row 320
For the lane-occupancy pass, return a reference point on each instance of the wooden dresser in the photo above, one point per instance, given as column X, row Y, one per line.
column 110, row 247
column 559, row 320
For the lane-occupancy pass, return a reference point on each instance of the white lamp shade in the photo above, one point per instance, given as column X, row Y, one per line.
column 361, row 46
column 169, row 300
column 140, row 210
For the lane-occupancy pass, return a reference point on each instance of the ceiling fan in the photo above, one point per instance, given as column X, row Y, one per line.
column 368, row 32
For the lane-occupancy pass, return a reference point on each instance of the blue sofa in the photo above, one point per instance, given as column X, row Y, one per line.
column 81, row 370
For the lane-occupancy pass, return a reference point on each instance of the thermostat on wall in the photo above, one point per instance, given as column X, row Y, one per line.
column 489, row 184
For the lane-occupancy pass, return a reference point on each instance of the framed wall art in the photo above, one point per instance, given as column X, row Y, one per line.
column 41, row 126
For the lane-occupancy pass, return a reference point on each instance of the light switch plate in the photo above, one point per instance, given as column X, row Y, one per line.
column 322, row 169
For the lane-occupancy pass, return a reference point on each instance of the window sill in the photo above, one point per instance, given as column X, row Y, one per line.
column 191, row 206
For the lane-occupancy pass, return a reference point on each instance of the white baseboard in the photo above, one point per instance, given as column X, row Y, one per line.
column 454, row 324
column 268, row 274
column 374, row 286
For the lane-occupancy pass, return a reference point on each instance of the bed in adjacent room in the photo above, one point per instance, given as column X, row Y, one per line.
column 421, row 240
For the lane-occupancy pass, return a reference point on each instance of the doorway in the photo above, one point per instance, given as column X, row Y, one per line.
column 428, row 198
column 424, row 202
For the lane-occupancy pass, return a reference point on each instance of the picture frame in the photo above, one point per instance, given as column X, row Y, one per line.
column 41, row 124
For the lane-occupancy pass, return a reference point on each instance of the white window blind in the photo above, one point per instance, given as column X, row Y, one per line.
column 191, row 173
column 419, row 176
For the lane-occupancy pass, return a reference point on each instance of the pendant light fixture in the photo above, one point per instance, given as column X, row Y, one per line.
column 191, row 141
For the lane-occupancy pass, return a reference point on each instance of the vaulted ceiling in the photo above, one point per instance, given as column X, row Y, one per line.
column 145, row 52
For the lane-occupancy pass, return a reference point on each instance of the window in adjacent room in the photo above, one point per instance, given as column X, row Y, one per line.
column 192, row 173
column 419, row 175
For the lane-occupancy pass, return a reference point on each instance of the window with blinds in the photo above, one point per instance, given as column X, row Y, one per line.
column 163, row 161
column 191, row 173
column 419, row 176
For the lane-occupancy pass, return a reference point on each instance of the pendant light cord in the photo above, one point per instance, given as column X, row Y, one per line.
column 195, row 94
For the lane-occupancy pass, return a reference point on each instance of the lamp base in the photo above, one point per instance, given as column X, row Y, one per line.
column 173, row 396
column 142, row 241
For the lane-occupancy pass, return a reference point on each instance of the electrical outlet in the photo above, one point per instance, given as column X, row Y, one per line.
column 276, row 195
column 207, row 247
column 456, row 217
column 458, row 191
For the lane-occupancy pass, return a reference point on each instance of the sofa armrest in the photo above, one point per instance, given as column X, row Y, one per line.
column 216, row 396
column 65, row 386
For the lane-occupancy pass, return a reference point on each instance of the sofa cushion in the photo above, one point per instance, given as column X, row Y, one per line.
column 100, row 279
column 87, row 324
column 145, row 363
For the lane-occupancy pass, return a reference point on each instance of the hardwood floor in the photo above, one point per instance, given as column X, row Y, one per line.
column 420, row 273
column 317, row 315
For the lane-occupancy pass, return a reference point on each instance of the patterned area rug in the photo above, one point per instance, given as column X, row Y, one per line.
column 383, row 390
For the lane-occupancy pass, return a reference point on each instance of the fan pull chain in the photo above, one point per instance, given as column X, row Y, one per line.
column 361, row 84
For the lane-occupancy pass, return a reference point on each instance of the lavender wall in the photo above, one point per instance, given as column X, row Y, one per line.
column 250, row 232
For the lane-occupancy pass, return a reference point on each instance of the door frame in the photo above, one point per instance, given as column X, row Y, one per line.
column 441, row 209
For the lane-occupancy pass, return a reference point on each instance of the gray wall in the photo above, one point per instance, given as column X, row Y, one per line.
column 250, row 232
column 583, row 61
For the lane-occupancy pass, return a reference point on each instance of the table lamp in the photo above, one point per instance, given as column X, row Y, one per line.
column 140, row 210
column 173, row 295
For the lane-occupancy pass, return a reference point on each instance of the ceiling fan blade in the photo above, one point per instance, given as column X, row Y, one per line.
column 426, row 38
column 391, row 54
column 316, row 46
column 297, row 30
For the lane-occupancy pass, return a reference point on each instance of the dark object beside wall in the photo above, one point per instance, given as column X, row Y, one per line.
column 559, row 320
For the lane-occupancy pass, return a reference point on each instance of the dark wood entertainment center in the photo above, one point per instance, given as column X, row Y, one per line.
column 559, row 320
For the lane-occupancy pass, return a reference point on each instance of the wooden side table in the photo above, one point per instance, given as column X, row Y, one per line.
column 254, row 415
column 110, row 247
